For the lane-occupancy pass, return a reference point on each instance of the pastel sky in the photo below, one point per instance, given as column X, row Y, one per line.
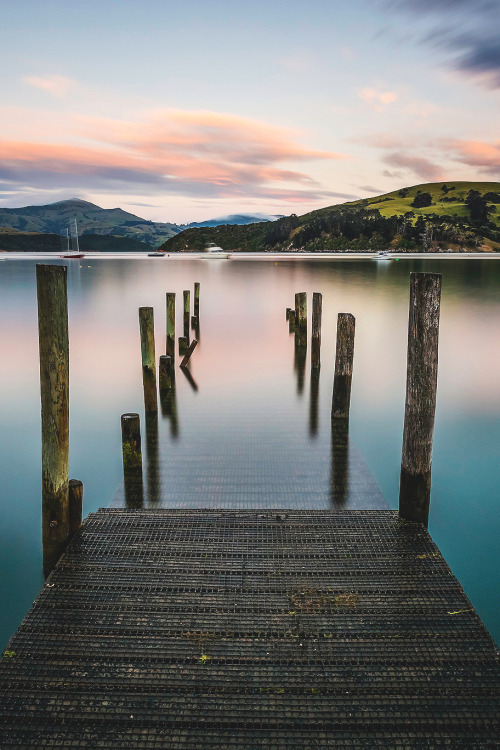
column 182, row 111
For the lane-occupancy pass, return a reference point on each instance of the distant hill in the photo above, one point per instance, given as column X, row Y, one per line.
column 54, row 218
column 432, row 216
column 234, row 219
column 11, row 240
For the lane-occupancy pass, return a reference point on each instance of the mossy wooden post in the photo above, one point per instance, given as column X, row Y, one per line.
column 301, row 318
column 343, row 366
column 166, row 373
column 316, row 330
column 146, row 324
column 132, row 460
column 187, row 306
column 183, row 344
column 171, row 324
column 291, row 321
column 196, row 306
column 421, row 386
column 54, row 389
column 288, row 311
column 75, row 505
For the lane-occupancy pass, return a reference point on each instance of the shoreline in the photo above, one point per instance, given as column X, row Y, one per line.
column 257, row 256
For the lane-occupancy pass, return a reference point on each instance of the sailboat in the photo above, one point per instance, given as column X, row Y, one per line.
column 73, row 253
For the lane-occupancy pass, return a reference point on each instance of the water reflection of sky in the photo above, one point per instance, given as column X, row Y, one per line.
column 249, row 431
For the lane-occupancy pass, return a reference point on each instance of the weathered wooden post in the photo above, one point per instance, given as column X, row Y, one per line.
column 75, row 505
column 316, row 330
column 196, row 306
column 132, row 460
column 187, row 306
column 146, row 324
column 171, row 324
column 288, row 311
column 183, row 344
column 166, row 373
column 291, row 321
column 54, row 390
column 343, row 366
column 192, row 346
column 301, row 318
column 421, row 386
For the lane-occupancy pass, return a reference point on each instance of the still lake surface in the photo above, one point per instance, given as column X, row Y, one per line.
column 252, row 428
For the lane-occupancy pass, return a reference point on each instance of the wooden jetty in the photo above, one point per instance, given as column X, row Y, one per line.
column 250, row 629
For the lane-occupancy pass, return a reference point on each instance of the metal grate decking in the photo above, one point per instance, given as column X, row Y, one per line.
column 250, row 629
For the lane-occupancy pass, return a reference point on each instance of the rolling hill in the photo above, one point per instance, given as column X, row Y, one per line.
column 431, row 216
column 54, row 218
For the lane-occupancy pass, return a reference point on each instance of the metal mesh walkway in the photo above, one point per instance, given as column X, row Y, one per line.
column 250, row 629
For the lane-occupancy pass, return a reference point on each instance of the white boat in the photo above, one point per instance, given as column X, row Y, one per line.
column 215, row 252
column 383, row 255
column 76, row 252
column 156, row 255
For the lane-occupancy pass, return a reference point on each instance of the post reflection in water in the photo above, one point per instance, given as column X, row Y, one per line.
column 168, row 401
column 187, row 374
column 133, row 488
column 340, row 462
column 300, row 360
column 313, row 402
column 153, row 468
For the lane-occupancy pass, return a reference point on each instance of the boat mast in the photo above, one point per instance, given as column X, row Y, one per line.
column 76, row 237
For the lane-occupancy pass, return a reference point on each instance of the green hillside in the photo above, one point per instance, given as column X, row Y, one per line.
column 432, row 216
column 55, row 218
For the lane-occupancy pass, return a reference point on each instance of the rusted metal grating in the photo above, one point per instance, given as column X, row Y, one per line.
column 250, row 629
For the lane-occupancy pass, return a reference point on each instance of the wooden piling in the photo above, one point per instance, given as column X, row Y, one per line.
column 75, row 505
column 189, row 351
column 316, row 330
column 421, row 386
column 187, row 306
column 301, row 319
column 166, row 372
column 301, row 310
column 171, row 324
column 146, row 324
column 132, row 460
column 343, row 366
column 288, row 311
column 291, row 321
column 196, row 306
column 54, row 390
column 183, row 344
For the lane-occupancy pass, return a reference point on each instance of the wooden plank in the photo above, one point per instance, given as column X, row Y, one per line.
column 243, row 629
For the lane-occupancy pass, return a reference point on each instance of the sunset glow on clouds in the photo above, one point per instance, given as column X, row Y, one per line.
column 303, row 108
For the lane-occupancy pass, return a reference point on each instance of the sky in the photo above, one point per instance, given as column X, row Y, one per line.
column 188, row 110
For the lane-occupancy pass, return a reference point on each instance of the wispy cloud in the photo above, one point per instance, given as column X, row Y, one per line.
column 466, row 30
column 53, row 84
column 376, row 98
column 484, row 156
column 418, row 165
column 192, row 153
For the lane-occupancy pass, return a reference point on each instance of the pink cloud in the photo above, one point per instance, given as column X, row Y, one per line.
column 420, row 166
column 188, row 153
column 378, row 99
column 484, row 156
column 52, row 84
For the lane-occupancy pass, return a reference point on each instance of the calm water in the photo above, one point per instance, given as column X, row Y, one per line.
column 252, row 428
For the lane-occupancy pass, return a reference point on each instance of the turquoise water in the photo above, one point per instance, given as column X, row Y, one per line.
column 251, row 429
